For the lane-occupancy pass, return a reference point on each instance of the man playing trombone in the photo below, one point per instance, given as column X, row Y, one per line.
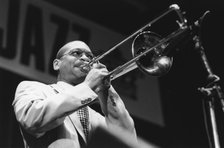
column 59, row 114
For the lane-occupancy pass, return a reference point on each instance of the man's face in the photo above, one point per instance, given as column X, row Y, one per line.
column 74, row 56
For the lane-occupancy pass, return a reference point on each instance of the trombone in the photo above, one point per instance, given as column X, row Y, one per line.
column 149, row 46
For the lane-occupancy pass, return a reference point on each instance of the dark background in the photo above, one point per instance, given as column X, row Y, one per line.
column 181, row 101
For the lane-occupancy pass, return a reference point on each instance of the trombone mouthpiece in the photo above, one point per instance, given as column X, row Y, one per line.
column 174, row 6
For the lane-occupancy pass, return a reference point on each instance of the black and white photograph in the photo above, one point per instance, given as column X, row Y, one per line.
column 111, row 74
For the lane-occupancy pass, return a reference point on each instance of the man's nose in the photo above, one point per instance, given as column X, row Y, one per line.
column 84, row 57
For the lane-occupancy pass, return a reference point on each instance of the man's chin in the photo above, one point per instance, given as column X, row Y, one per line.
column 79, row 80
column 82, row 74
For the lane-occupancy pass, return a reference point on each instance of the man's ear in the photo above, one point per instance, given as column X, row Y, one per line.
column 56, row 64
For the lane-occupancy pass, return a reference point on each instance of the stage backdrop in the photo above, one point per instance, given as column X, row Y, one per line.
column 31, row 32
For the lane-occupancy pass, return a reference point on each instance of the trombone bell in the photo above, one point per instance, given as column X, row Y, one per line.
column 154, row 63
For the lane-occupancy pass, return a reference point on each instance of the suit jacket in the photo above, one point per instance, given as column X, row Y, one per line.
column 47, row 113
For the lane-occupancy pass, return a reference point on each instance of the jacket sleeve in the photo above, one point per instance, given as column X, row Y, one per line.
column 116, row 114
column 38, row 111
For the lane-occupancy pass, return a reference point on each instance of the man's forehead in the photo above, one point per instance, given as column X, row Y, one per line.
column 76, row 44
column 71, row 46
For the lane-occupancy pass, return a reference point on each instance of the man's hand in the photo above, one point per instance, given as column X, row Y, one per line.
column 97, row 78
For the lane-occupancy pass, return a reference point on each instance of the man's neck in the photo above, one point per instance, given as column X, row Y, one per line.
column 66, row 81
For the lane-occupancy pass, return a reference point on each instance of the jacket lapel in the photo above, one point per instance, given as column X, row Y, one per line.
column 74, row 119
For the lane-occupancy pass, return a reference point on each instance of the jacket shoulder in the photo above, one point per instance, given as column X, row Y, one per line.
column 24, row 83
column 32, row 84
